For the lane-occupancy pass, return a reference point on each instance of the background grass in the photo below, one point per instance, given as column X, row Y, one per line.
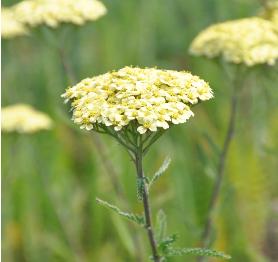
column 50, row 179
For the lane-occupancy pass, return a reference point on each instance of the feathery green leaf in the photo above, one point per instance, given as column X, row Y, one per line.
column 197, row 252
column 160, row 171
column 132, row 217
column 166, row 244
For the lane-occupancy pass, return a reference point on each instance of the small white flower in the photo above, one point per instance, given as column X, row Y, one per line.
column 89, row 127
column 162, row 124
column 142, row 130
column 118, row 128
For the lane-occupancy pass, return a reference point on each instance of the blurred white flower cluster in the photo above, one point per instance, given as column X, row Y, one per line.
column 10, row 26
column 54, row 12
column 23, row 118
column 148, row 98
column 250, row 41
column 16, row 19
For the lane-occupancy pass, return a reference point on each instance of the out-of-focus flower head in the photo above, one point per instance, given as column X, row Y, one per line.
column 10, row 26
column 23, row 118
column 146, row 99
column 250, row 41
column 270, row 12
column 54, row 12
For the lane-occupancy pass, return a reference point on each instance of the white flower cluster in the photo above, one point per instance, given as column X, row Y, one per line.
column 150, row 98
column 23, row 118
column 250, row 41
column 10, row 26
column 54, row 12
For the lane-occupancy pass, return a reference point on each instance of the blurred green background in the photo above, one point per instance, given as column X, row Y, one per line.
column 50, row 179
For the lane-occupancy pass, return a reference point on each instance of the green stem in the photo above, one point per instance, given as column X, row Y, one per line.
column 146, row 204
column 206, row 237
column 66, row 66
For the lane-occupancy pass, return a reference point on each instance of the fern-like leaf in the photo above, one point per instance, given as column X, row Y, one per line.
column 130, row 216
column 197, row 252
column 165, row 245
column 160, row 171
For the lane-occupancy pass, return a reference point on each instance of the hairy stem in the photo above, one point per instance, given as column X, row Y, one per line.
column 220, row 171
column 146, row 204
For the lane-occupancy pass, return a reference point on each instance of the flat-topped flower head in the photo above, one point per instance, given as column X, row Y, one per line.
column 249, row 41
column 23, row 118
column 10, row 26
column 148, row 99
column 54, row 12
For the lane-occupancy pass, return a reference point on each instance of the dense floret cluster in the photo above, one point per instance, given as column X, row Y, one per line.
column 148, row 98
column 23, row 118
column 249, row 41
column 54, row 12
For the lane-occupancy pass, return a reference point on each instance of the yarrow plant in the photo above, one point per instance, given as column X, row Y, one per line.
column 247, row 41
column 240, row 45
column 10, row 26
column 22, row 118
column 54, row 12
column 135, row 106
